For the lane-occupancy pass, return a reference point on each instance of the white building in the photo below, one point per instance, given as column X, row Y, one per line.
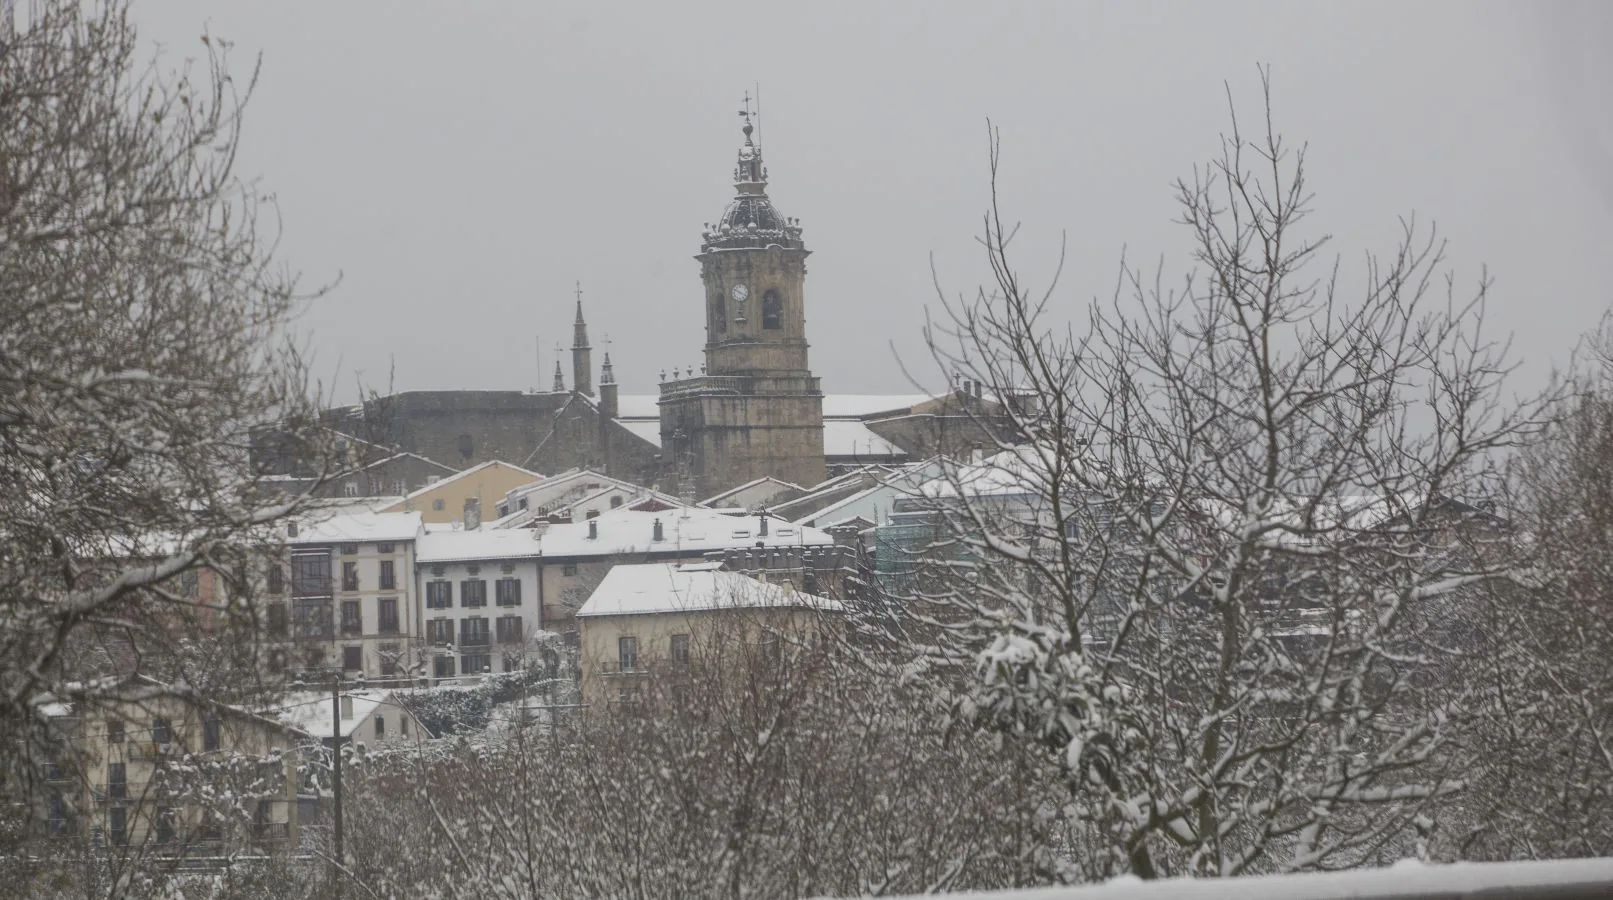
column 479, row 600
column 369, row 717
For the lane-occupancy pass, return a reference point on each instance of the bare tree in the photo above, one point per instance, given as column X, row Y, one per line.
column 144, row 333
column 1212, row 584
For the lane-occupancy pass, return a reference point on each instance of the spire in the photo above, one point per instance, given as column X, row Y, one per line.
column 559, row 378
column 750, row 175
column 582, row 369
column 606, row 374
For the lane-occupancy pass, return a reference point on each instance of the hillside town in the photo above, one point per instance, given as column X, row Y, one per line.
column 1245, row 580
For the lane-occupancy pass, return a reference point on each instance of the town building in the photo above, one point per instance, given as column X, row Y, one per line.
column 660, row 620
column 343, row 597
column 577, row 557
column 464, row 495
column 371, row 717
column 150, row 764
column 572, row 496
column 479, row 595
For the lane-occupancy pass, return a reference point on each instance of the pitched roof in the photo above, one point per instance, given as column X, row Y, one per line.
column 310, row 711
column 672, row 588
column 435, row 485
column 357, row 527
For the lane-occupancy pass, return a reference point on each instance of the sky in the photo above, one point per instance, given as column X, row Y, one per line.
column 454, row 169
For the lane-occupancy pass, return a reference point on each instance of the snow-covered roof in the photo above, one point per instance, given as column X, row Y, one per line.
column 849, row 437
column 448, row 546
column 683, row 530
column 357, row 527
column 648, row 429
column 310, row 711
column 672, row 588
column 835, row 406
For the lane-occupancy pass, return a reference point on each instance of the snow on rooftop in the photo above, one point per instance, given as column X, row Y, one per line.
column 835, row 406
column 310, row 711
column 357, row 527
column 450, row 479
column 671, row 588
column 648, row 429
column 447, row 546
column 683, row 530
column 853, row 438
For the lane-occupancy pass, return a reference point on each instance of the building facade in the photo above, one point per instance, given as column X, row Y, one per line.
column 480, row 607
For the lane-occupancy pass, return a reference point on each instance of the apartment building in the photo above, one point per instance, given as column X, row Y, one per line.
column 479, row 601
column 343, row 597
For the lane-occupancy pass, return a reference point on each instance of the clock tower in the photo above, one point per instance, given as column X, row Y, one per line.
column 755, row 409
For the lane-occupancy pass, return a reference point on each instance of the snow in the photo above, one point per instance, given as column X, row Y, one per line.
column 684, row 531
column 450, row 479
column 310, row 711
column 669, row 588
column 358, row 527
column 1407, row 881
column 853, row 438
column 448, row 546
column 650, row 430
column 861, row 406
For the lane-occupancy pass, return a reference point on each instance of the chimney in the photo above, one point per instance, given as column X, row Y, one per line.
column 608, row 403
column 660, row 532
column 473, row 513
column 593, row 529
column 978, row 390
column 347, row 707
column 761, row 526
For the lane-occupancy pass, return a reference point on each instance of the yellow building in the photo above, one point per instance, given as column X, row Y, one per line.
column 164, row 772
column 479, row 488
column 646, row 622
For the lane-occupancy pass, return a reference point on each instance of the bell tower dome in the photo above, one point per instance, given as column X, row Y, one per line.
column 756, row 409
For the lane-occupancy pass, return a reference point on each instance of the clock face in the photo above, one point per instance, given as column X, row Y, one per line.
column 740, row 292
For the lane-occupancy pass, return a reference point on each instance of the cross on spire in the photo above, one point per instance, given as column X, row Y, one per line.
column 579, row 291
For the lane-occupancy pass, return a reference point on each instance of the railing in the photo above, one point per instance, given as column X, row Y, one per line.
column 311, row 587
column 616, row 669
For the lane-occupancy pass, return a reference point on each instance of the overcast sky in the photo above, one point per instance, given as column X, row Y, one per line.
column 460, row 165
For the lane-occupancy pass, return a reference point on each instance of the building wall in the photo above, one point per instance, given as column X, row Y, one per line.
column 445, row 501
column 500, row 657
column 711, row 634
column 579, row 436
column 142, row 758
column 732, row 438
column 374, row 646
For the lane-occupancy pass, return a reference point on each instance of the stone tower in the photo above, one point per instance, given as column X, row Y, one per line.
column 756, row 408
column 582, row 376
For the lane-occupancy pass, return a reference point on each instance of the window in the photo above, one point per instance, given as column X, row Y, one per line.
column 1072, row 529
column 117, row 780
column 161, row 732
column 189, row 584
column 569, row 569
column 349, row 576
column 509, row 591
column 439, row 594
column 117, row 825
column 438, row 571
column 165, row 825
column 509, row 629
column 399, row 488
column 507, row 568
column 521, row 504
column 312, row 619
column 615, row 502
column 437, row 505
column 350, row 489
column 472, row 593
column 513, row 662
column 310, row 574
column 473, row 632
column 772, row 310
column 314, row 659
column 386, row 612
column 352, row 618
column 403, row 725
column 719, row 314
column 276, row 620
column 380, row 727
column 433, row 479
column 474, row 663
column 389, row 576
column 680, row 650
column 627, row 653
column 440, row 631
column 114, row 731
column 349, row 549
column 772, row 648
column 277, row 580
column 443, row 667
column 386, row 547
column 473, row 570
column 353, row 659
column 210, row 734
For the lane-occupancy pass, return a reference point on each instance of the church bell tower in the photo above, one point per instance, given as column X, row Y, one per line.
column 756, row 408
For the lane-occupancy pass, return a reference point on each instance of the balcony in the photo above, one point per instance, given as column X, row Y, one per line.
column 306, row 586
column 615, row 669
